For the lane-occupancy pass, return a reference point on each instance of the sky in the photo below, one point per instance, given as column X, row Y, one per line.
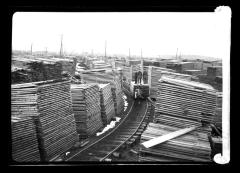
column 156, row 33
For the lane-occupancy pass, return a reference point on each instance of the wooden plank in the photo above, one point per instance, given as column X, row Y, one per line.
column 167, row 137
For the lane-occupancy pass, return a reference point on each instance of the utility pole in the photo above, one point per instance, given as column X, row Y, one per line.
column 176, row 53
column 46, row 50
column 61, row 47
column 105, row 48
column 129, row 53
column 31, row 49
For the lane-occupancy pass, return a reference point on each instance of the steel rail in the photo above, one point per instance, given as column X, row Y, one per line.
column 103, row 136
column 127, row 138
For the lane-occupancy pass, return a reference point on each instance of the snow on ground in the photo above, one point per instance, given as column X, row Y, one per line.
column 109, row 126
column 125, row 102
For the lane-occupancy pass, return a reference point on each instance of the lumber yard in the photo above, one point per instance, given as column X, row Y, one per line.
column 80, row 108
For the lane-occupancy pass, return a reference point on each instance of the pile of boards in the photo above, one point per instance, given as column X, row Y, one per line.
column 20, row 75
column 190, row 147
column 176, row 75
column 93, row 77
column 117, row 95
column 86, row 108
column 106, row 103
column 218, row 114
column 181, row 103
column 24, row 140
column 154, row 74
column 49, row 103
column 115, row 83
column 38, row 71
column 68, row 65
column 127, row 74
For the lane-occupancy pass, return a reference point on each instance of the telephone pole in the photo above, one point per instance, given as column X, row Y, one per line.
column 129, row 53
column 31, row 49
column 105, row 48
column 61, row 47
column 176, row 53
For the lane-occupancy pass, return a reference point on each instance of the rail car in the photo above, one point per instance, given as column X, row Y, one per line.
column 139, row 91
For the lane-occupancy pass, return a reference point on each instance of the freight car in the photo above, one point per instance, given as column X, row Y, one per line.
column 139, row 90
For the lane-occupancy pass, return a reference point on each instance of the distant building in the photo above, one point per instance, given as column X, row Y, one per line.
column 214, row 71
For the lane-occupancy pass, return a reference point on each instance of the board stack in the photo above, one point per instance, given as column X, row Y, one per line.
column 68, row 65
column 117, row 95
column 127, row 74
column 24, row 140
column 19, row 75
column 106, row 102
column 44, row 70
column 177, row 75
column 49, row 102
column 98, row 78
column 86, row 108
column 190, row 147
column 218, row 113
column 154, row 74
column 181, row 103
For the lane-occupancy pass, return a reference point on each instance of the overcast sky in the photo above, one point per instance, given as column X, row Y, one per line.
column 156, row 33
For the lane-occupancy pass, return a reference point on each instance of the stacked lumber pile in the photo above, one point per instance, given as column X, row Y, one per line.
column 127, row 74
column 186, row 102
column 49, row 102
column 154, row 74
column 190, row 147
column 115, row 83
column 218, row 112
column 86, row 108
column 20, row 75
column 106, row 102
column 126, row 86
column 68, row 65
column 147, row 63
column 117, row 95
column 93, row 77
column 183, row 66
column 134, row 62
column 100, row 65
column 41, row 71
column 214, row 71
column 193, row 72
column 24, row 140
column 198, row 65
column 177, row 75
column 37, row 71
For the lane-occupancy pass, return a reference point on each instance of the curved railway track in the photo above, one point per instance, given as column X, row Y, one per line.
column 126, row 133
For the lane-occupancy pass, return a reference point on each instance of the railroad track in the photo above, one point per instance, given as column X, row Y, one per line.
column 125, row 134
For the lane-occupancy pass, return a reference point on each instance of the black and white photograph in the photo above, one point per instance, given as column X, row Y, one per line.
column 120, row 87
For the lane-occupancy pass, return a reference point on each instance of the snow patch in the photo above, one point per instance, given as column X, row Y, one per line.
column 109, row 126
